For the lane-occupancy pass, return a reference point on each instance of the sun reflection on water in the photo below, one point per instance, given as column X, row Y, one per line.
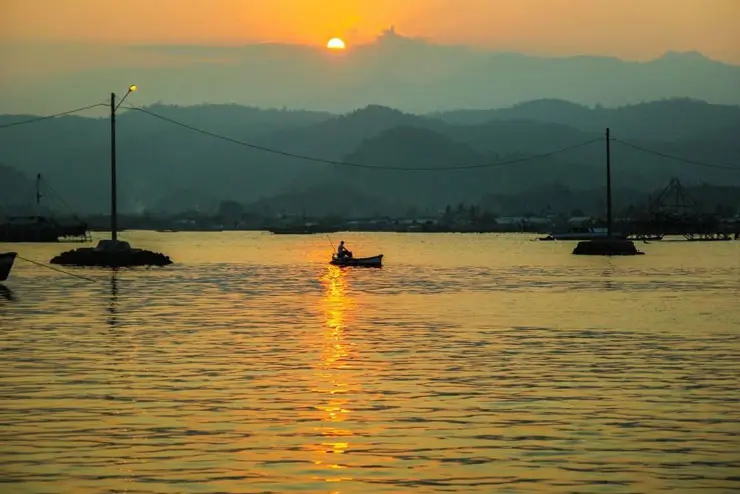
column 334, row 384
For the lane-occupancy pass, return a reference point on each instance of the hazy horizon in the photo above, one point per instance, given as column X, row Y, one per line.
column 188, row 52
column 398, row 71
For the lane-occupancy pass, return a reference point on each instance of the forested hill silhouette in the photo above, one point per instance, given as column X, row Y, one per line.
column 341, row 134
column 164, row 166
column 656, row 120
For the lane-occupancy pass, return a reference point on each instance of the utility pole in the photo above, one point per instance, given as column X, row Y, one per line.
column 38, row 192
column 608, row 188
column 110, row 253
column 113, row 198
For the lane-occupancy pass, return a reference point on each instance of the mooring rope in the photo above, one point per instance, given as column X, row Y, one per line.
column 57, row 269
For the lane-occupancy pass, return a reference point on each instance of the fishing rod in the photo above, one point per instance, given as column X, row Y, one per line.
column 333, row 249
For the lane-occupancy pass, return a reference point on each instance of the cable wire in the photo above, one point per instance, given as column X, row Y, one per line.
column 39, row 119
column 61, row 199
column 677, row 158
column 358, row 165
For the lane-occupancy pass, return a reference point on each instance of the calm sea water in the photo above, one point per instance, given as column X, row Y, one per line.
column 469, row 363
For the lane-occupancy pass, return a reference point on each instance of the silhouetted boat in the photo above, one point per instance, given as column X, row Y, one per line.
column 365, row 262
column 6, row 264
column 39, row 228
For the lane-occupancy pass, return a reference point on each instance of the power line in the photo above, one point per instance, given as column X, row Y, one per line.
column 39, row 119
column 677, row 158
column 358, row 165
column 376, row 167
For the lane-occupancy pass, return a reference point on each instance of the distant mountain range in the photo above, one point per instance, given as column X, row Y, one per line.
column 164, row 167
column 395, row 71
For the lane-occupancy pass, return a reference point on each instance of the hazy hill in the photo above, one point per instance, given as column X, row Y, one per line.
column 15, row 189
column 515, row 135
column 581, row 168
column 657, row 120
column 247, row 121
column 164, row 166
column 396, row 71
column 339, row 135
column 155, row 157
column 423, row 148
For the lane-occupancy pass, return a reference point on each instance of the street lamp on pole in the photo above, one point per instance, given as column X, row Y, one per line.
column 112, row 253
column 113, row 185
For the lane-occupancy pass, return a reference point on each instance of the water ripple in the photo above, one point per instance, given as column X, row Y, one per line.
column 252, row 376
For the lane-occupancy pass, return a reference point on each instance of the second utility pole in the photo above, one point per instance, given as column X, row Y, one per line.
column 608, row 188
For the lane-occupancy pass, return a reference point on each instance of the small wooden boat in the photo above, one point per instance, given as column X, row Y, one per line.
column 365, row 262
column 6, row 264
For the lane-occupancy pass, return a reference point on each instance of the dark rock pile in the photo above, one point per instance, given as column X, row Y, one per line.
column 111, row 254
column 607, row 247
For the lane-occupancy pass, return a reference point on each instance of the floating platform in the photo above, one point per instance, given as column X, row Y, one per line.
column 607, row 247
column 111, row 254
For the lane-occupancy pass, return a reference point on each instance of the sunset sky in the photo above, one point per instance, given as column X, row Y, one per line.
column 55, row 53
column 632, row 29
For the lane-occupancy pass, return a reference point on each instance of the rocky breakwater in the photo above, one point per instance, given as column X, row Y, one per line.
column 109, row 253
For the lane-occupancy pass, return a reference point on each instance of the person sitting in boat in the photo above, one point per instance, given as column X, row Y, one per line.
column 342, row 251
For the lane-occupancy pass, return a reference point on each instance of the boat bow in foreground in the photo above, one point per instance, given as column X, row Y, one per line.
column 6, row 264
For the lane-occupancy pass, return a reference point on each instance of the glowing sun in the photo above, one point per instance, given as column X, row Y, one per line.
column 335, row 44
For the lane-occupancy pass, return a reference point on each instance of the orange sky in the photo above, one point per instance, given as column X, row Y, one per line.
column 633, row 29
